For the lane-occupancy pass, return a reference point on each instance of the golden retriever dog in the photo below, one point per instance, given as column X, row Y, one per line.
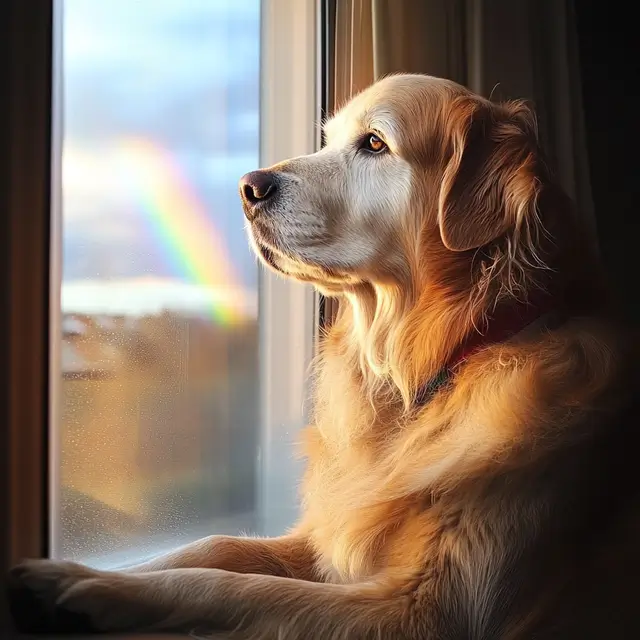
column 471, row 455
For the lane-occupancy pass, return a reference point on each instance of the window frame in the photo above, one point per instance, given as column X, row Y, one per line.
column 289, row 312
column 25, row 215
column 290, row 111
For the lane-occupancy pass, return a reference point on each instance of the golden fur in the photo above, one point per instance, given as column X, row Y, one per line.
column 494, row 510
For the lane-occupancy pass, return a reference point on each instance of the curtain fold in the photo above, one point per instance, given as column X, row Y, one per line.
column 424, row 36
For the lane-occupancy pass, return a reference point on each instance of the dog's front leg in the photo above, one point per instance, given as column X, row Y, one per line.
column 64, row 597
column 289, row 556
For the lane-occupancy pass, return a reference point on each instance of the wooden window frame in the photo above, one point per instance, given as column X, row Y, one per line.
column 27, row 59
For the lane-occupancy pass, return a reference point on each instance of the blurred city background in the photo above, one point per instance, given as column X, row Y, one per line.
column 158, row 430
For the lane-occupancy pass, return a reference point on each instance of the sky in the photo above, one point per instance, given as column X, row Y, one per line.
column 179, row 80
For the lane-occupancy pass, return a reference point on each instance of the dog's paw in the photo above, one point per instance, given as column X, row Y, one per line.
column 36, row 590
column 46, row 596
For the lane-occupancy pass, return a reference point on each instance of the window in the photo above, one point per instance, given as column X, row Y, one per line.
column 178, row 364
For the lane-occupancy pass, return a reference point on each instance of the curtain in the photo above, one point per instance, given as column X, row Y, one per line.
column 499, row 48
column 529, row 49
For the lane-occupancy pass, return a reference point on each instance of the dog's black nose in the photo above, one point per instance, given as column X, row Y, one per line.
column 257, row 187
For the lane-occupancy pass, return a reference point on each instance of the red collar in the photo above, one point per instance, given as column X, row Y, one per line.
column 502, row 325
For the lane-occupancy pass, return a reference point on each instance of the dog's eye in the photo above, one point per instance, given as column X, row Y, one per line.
column 373, row 143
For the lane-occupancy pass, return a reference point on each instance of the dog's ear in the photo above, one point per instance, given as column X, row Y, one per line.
column 490, row 183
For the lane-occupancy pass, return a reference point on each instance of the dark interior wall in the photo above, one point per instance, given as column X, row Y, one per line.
column 608, row 41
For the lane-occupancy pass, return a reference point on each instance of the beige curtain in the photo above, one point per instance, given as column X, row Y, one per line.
column 377, row 37
column 499, row 48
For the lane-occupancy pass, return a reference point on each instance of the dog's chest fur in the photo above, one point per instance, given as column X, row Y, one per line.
column 370, row 469
column 355, row 536
column 355, row 531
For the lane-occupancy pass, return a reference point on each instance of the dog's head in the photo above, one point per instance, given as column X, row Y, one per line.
column 413, row 166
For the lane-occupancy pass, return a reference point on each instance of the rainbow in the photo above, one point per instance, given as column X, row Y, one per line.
column 182, row 226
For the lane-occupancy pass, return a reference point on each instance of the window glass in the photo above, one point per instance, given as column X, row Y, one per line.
column 157, row 434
